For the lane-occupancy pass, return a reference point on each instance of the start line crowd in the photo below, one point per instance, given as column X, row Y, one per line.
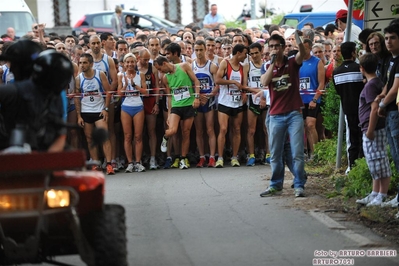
column 253, row 95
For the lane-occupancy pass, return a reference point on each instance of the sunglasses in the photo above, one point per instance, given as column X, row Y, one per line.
column 274, row 46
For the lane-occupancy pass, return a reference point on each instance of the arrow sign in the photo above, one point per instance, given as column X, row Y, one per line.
column 375, row 9
column 379, row 10
column 375, row 27
column 378, row 14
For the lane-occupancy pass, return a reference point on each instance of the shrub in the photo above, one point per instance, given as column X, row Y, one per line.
column 358, row 183
column 330, row 109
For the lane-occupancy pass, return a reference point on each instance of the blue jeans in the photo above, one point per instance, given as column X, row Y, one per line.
column 280, row 127
column 392, row 129
column 287, row 157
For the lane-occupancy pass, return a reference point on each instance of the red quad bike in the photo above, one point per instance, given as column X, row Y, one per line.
column 51, row 206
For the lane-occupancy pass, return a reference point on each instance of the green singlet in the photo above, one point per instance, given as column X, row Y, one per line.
column 181, row 88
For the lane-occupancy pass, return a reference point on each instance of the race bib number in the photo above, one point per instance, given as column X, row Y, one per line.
column 91, row 95
column 131, row 91
column 304, row 83
column 204, row 83
column 235, row 96
column 255, row 80
column 181, row 94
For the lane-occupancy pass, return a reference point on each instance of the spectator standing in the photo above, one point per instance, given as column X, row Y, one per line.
column 341, row 22
column 374, row 134
column 116, row 21
column 212, row 19
column 387, row 106
column 375, row 44
column 11, row 33
column 282, row 78
column 348, row 82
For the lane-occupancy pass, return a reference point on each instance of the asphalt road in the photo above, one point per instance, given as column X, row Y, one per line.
column 215, row 217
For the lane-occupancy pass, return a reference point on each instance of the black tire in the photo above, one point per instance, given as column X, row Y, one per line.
column 106, row 232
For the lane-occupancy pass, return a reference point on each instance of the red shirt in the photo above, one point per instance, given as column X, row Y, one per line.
column 284, row 88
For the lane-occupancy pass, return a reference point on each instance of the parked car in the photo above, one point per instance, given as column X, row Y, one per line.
column 101, row 22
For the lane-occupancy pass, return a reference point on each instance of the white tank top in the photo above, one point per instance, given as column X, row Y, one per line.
column 92, row 93
column 132, row 95
column 230, row 95
column 204, row 76
column 103, row 65
column 254, row 80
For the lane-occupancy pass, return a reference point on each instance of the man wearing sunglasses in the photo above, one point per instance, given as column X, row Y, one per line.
column 282, row 78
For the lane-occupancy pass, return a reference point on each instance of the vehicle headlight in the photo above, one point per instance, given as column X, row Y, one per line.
column 19, row 202
column 5, row 202
column 58, row 198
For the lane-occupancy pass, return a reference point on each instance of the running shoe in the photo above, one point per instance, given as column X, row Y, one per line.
column 271, row 191
column 175, row 163
column 201, row 162
column 235, row 163
column 367, row 199
column 129, row 168
column 251, row 161
column 110, row 170
column 168, row 163
column 182, row 164
column 211, row 162
column 139, row 168
column 219, row 164
column 164, row 145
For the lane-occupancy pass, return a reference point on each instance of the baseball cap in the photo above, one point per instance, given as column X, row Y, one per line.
column 342, row 13
column 24, row 51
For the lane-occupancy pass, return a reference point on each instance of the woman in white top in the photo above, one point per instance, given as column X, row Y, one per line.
column 131, row 85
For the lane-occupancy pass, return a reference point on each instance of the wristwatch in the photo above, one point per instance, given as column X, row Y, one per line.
column 105, row 109
column 314, row 100
column 381, row 104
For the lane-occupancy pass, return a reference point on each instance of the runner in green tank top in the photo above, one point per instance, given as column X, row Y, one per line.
column 182, row 88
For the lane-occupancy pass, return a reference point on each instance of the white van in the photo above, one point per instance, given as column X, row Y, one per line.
column 16, row 14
